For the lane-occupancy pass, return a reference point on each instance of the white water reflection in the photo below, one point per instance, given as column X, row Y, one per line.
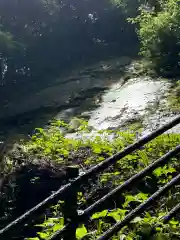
column 130, row 101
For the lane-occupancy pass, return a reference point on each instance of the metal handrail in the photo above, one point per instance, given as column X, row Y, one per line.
column 83, row 178
column 93, row 208
column 141, row 208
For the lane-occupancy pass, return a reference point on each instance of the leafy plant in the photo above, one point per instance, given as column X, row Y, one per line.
column 53, row 145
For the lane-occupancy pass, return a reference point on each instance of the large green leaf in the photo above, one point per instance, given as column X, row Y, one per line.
column 81, row 232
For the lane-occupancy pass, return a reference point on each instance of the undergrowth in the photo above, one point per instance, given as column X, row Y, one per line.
column 173, row 97
column 90, row 149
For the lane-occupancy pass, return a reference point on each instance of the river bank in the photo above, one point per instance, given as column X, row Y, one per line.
column 117, row 93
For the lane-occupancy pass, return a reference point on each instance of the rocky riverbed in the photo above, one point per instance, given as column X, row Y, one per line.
column 141, row 101
column 110, row 94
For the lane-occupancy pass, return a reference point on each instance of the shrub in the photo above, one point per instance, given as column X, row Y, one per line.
column 52, row 145
column 159, row 35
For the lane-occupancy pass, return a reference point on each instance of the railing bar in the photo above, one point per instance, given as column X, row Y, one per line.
column 94, row 170
column 171, row 214
column 161, row 161
column 91, row 209
column 165, row 220
column 128, row 150
column 129, row 217
column 53, row 198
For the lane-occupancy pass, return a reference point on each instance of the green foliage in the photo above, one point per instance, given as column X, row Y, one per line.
column 139, row 198
column 157, row 24
column 173, row 97
column 50, row 226
column 129, row 7
column 51, row 143
column 81, row 232
column 159, row 35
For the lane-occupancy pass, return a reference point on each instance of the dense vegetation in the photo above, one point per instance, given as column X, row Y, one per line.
column 52, row 145
column 70, row 33
column 158, row 30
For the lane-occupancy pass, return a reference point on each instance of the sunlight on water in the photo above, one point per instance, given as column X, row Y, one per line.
column 122, row 103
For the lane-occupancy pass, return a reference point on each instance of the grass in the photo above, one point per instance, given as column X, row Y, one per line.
column 52, row 145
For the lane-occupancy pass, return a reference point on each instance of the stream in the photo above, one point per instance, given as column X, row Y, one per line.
column 100, row 93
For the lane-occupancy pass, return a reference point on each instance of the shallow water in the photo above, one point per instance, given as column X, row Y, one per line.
column 98, row 94
column 123, row 103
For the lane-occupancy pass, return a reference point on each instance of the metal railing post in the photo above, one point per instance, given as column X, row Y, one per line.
column 70, row 206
